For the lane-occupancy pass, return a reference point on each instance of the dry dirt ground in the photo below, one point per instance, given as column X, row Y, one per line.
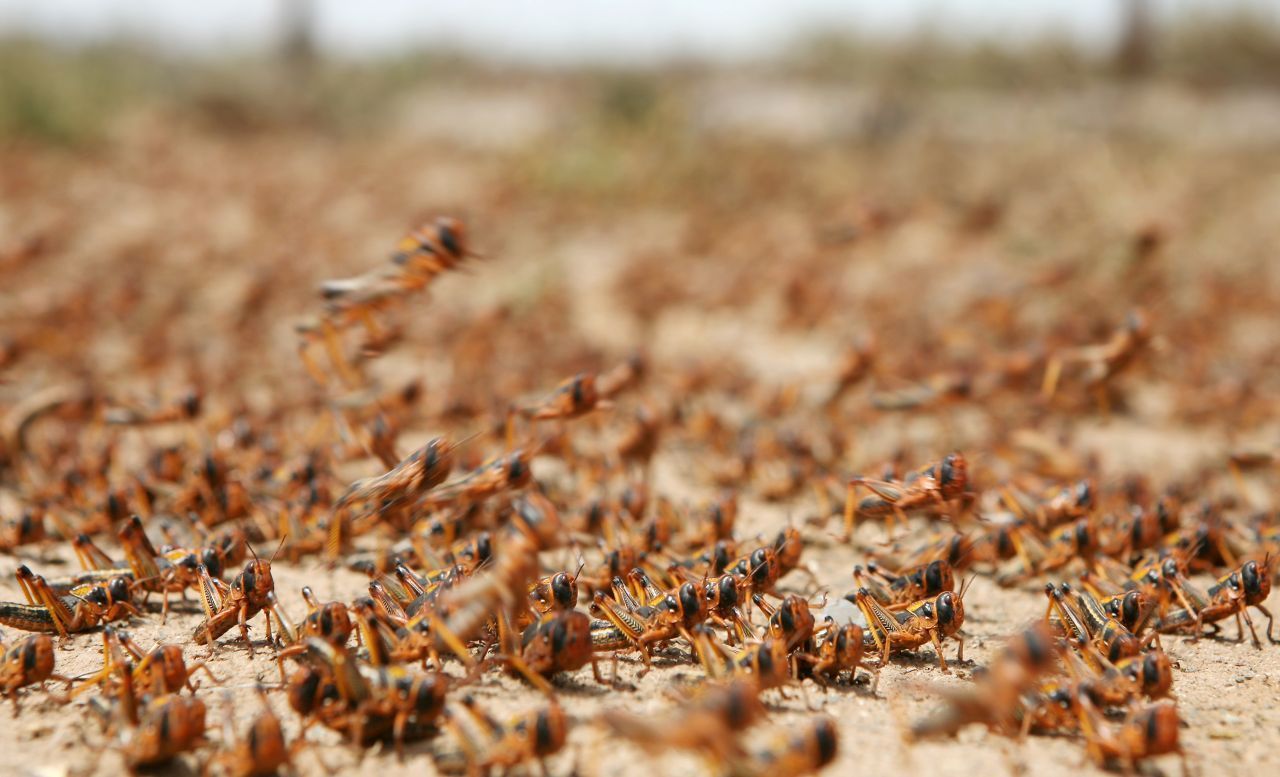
column 1225, row 692
column 183, row 220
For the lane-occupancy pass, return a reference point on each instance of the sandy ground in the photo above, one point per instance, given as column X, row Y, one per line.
column 1225, row 693
column 327, row 201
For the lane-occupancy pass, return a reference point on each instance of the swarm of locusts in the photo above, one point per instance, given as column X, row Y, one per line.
column 531, row 539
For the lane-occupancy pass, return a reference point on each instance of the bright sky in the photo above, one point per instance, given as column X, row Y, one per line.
column 569, row 30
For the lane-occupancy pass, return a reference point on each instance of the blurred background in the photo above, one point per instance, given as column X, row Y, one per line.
column 72, row 66
column 768, row 179
column 578, row 31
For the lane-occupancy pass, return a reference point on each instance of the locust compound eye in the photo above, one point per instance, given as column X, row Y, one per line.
column 765, row 658
column 1252, row 580
column 933, row 577
column 721, row 555
column 1131, row 608
column 728, row 592
column 562, row 590
column 946, row 609
column 425, row 697
column 738, row 707
column 689, row 598
column 1083, row 539
column 1037, row 651
column 947, row 472
column 212, row 561
column 825, row 734
column 544, row 735
column 1084, row 494
column 515, row 469
column 759, row 566
column 786, row 617
column 450, row 239
column 304, row 693
column 1151, row 671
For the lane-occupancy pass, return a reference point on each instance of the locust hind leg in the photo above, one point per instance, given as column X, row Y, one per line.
column 306, row 344
column 453, row 642
column 25, row 582
column 64, row 620
column 333, row 345
column 850, row 511
column 200, row 665
column 102, row 674
column 210, row 599
column 595, row 670
column 398, row 732
column 613, row 670
column 465, row 740
column 884, row 661
column 1052, row 372
column 892, row 526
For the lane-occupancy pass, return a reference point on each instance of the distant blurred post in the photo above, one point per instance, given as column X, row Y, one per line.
column 1133, row 54
column 297, row 42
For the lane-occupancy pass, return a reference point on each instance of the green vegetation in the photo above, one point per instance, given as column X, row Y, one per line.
column 1235, row 46
column 71, row 96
